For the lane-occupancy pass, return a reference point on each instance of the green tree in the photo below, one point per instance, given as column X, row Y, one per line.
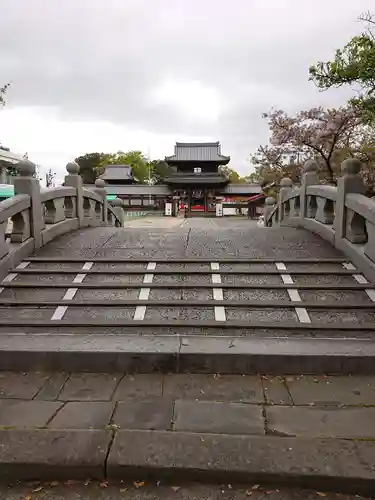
column 136, row 160
column 159, row 171
column 91, row 165
column 352, row 64
column 231, row 174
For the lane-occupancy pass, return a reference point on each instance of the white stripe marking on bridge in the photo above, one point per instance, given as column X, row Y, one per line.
column 360, row 279
column 294, row 295
column 370, row 292
column 219, row 311
column 59, row 313
column 281, row 266
column 144, row 293
column 70, row 293
column 23, row 265
column 349, row 266
column 11, row 276
column 302, row 314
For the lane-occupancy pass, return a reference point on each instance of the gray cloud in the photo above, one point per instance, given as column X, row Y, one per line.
column 103, row 59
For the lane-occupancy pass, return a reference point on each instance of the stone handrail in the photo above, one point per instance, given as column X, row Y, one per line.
column 35, row 216
column 339, row 214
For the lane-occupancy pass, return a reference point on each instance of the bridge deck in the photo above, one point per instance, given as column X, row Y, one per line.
column 200, row 276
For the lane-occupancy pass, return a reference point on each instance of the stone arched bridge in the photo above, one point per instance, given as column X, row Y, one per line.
column 227, row 285
column 216, row 349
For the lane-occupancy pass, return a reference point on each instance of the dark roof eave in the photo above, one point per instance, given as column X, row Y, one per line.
column 191, row 181
column 220, row 160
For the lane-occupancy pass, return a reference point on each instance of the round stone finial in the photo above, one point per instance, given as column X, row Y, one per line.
column 351, row 166
column 116, row 202
column 286, row 182
column 26, row 168
column 99, row 183
column 270, row 200
column 310, row 166
column 72, row 168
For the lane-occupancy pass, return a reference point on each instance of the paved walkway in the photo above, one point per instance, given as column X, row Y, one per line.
column 294, row 406
column 153, row 426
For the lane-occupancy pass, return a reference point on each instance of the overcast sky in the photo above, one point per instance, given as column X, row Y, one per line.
column 105, row 75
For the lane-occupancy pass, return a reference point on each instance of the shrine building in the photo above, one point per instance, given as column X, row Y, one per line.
column 196, row 183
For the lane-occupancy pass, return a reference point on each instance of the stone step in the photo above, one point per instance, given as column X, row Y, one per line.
column 185, row 354
column 175, row 457
column 139, row 490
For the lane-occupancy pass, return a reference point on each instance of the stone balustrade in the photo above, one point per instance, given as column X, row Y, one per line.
column 34, row 216
column 339, row 214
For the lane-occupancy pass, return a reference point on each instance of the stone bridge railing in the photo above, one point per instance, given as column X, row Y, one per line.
column 34, row 216
column 341, row 215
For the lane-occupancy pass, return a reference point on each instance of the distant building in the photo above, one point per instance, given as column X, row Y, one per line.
column 197, row 182
column 7, row 159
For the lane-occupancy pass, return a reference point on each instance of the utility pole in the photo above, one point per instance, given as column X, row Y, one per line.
column 149, row 174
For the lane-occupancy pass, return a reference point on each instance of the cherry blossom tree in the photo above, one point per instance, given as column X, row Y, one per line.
column 315, row 133
column 272, row 163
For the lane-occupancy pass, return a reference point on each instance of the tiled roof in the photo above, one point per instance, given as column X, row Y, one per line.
column 117, row 172
column 198, row 151
column 10, row 157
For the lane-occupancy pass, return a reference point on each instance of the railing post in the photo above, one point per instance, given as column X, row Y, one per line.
column 27, row 184
column 73, row 179
column 118, row 209
column 286, row 186
column 350, row 182
column 270, row 204
column 101, row 191
column 309, row 178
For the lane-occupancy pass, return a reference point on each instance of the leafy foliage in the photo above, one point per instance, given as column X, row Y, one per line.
column 3, row 91
column 353, row 64
column 312, row 133
column 144, row 171
column 134, row 159
column 159, row 171
column 91, row 166
column 231, row 174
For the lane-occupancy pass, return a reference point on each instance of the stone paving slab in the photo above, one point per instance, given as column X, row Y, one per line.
column 146, row 415
column 53, row 386
column 214, row 387
column 21, row 385
column 218, row 418
column 17, row 413
column 316, row 422
column 140, row 386
column 90, row 387
column 345, row 390
column 83, row 415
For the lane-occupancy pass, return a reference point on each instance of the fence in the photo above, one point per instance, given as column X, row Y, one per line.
column 340, row 214
column 39, row 215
